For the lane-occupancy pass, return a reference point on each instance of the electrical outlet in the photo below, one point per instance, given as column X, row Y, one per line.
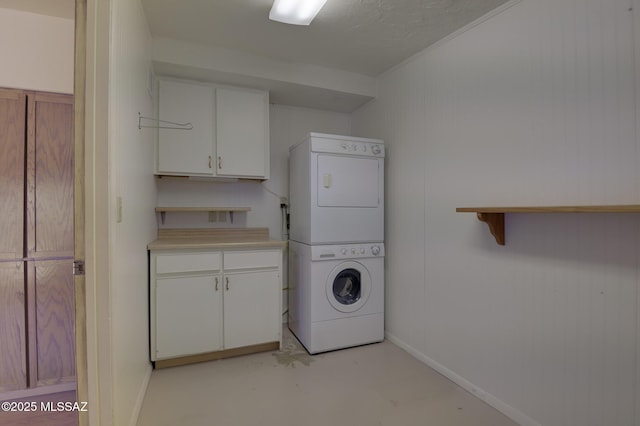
column 284, row 200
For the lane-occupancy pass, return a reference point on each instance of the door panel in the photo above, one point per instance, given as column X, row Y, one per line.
column 12, row 141
column 188, row 315
column 50, row 175
column 250, row 300
column 185, row 151
column 54, row 355
column 347, row 181
column 13, row 364
column 242, row 129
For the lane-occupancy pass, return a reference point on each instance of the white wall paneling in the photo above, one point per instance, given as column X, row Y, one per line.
column 131, row 181
column 534, row 106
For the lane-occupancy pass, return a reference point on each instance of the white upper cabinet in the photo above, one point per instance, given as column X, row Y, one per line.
column 242, row 132
column 185, row 152
column 230, row 134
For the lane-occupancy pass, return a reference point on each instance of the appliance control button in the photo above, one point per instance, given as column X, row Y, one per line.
column 375, row 250
column 353, row 251
column 343, row 146
column 343, row 251
column 376, row 149
column 361, row 250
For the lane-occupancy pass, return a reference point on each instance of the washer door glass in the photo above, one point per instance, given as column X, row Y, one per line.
column 348, row 286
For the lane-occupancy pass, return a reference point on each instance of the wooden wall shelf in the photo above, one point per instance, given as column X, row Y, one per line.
column 163, row 210
column 494, row 216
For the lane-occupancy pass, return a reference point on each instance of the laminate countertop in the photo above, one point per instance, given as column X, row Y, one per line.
column 228, row 238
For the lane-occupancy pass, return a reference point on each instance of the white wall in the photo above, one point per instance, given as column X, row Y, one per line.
column 131, row 180
column 37, row 51
column 534, row 106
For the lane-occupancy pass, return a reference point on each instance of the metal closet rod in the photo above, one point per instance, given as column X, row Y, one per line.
column 174, row 126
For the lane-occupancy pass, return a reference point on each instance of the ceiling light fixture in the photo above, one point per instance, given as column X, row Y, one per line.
column 295, row 12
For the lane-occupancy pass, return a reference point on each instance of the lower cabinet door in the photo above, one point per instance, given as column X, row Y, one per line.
column 251, row 308
column 188, row 315
column 13, row 355
column 52, row 330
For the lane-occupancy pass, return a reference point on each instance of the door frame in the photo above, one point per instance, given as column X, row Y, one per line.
column 91, row 183
column 82, row 382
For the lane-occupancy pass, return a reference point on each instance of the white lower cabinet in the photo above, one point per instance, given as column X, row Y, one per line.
column 188, row 316
column 249, row 303
column 209, row 301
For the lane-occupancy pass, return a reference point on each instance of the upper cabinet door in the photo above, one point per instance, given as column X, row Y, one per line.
column 12, row 138
column 185, row 152
column 50, row 175
column 242, row 132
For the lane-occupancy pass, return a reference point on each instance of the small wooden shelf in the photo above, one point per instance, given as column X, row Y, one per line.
column 494, row 216
column 163, row 210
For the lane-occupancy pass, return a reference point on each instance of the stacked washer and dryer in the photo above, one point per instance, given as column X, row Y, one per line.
column 336, row 242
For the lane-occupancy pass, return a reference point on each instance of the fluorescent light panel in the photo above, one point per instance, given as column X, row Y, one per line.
column 295, row 12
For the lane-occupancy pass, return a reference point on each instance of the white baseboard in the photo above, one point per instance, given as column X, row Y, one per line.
column 140, row 399
column 514, row 414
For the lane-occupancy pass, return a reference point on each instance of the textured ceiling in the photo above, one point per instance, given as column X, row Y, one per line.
column 362, row 36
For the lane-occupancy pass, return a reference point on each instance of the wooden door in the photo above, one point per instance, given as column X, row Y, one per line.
column 13, row 355
column 12, row 139
column 50, row 176
column 51, row 322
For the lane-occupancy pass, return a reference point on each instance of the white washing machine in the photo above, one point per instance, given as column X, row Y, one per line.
column 336, row 190
column 336, row 295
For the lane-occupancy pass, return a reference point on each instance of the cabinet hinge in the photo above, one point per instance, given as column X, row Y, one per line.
column 78, row 267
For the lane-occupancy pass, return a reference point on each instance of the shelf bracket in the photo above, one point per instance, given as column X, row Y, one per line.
column 163, row 215
column 495, row 221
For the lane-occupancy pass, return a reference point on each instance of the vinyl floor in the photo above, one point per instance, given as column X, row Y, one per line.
column 377, row 384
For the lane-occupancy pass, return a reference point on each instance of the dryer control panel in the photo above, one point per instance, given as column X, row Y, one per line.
column 355, row 146
column 347, row 251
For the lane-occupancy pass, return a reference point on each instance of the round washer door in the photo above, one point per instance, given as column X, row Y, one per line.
column 348, row 286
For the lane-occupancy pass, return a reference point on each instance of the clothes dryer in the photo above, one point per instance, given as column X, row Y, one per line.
column 336, row 190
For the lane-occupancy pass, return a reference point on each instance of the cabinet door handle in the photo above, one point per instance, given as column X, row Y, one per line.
column 209, row 161
column 219, row 162
column 216, row 283
column 227, row 281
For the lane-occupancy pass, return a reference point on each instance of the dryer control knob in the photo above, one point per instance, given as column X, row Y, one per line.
column 376, row 149
column 375, row 250
column 353, row 251
column 343, row 251
column 361, row 250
